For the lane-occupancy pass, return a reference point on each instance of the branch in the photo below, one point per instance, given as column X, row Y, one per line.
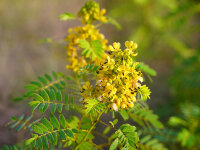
column 107, row 125
column 90, row 130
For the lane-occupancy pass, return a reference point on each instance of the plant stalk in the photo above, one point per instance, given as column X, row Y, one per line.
column 90, row 130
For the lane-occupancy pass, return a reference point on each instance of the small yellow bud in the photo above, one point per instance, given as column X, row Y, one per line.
column 103, row 11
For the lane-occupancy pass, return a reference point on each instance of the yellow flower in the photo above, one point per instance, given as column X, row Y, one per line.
column 86, row 90
column 118, row 81
column 130, row 45
column 91, row 12
column 115, row 47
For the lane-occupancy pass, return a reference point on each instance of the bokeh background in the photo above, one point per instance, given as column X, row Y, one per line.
column 167, row 33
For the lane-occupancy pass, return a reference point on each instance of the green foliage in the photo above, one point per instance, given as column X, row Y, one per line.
column 149, row 143
column 185, row 80
column 167, row 39
column 88, row 69
column 21, row 122
column 56, row 81
column 145, row 68
column 114, row 22
column 94, row 107
column 188, row 126
column 13, row 147
column 92, row 48
column 63, row 130
column 146, row 118
column 174, row 121
column 50, row 131
column 186, row 138
column 126, row 137
column 162, row 135
column 46, row 98
column 114, row 144
column 142, row 115
column 144, row 92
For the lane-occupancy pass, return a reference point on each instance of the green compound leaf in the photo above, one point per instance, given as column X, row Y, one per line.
column 94, row 107
column 56, row 81
column 144, row 92
column 147, row 142
column 97, row 47
column 127, row 136
column 92, row 49
column 50, row 99
column 84, row 44
column 144, row 116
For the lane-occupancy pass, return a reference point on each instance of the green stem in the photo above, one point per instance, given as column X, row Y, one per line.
column 90, row 130
column 107, row 125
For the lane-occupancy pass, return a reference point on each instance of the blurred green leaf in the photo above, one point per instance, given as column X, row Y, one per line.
column 66, row 16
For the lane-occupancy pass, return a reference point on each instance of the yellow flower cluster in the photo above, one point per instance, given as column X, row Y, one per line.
column 118, row 80
column 73, row 47
column 89, row 13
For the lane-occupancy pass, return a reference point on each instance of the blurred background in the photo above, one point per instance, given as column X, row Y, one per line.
column 168, row 37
